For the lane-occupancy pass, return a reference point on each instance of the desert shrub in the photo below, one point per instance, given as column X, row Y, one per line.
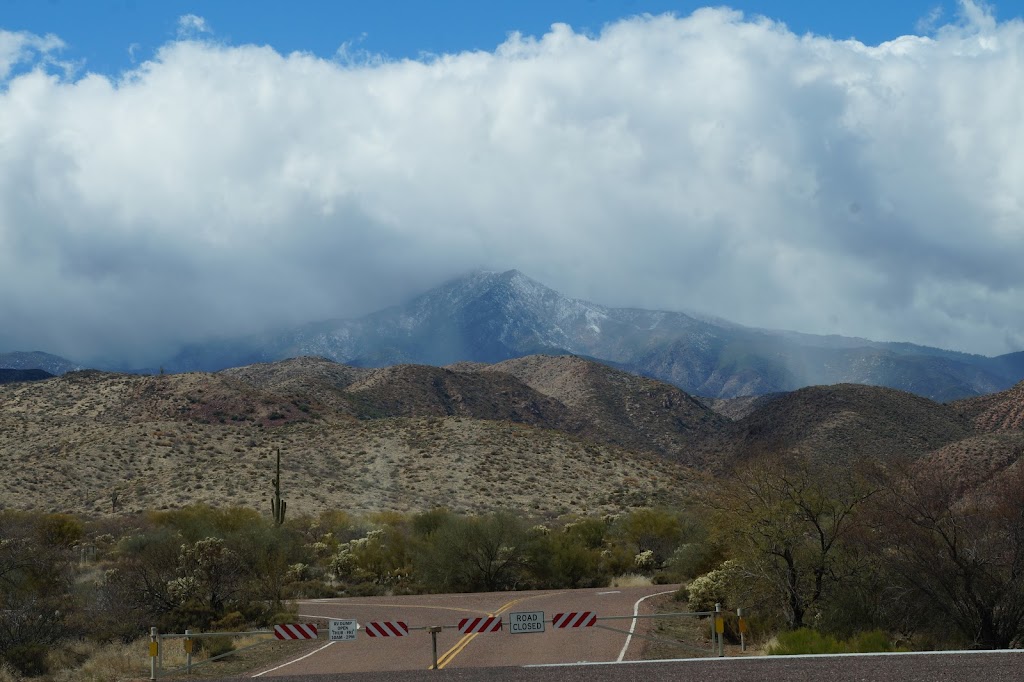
column 8, row 673
column 215, row 646
column 719, row 586
column 469, row 554
column 872, row 641
column 651, row 533
column 105, row 663
column 28, row 659
column 808, row 641
column 803, row 641
column 630, row 580
column 561, row 560
column 692, row 559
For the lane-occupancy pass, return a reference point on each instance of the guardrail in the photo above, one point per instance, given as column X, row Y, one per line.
column 156, row 647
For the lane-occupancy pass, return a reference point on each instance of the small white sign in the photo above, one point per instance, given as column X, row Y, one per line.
column 343, row 630
column 526, row 621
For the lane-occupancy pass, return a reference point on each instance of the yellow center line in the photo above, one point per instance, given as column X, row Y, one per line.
column 449, row 655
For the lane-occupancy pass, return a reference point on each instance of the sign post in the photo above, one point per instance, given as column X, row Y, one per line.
column 154, row 651
column 434, row 629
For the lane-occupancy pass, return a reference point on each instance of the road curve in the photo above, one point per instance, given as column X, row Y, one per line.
column 414, row 652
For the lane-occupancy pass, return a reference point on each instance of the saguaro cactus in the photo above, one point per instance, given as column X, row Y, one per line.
column 278, row 505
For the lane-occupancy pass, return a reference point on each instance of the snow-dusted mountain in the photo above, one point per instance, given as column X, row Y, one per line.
column 52, row 364
column 490, row 317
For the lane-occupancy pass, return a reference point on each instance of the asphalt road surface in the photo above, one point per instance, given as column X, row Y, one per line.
column 414, row 651
column 591, row 654
column 1002, row 666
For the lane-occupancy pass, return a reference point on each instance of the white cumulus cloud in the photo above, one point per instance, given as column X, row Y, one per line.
column 711, row 162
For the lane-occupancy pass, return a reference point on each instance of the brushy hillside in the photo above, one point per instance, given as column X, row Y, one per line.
column 617, row 407
column 100, row 442
column 548, row 434
column 845, row 421
column 996, row 412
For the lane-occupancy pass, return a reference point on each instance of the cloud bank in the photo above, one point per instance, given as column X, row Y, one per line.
column 713, row 162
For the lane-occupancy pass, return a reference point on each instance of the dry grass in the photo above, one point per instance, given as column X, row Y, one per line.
column 630, row 580
column 104, row 663
column 686, row 636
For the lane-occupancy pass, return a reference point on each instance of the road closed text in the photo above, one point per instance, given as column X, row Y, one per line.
column 525, row 621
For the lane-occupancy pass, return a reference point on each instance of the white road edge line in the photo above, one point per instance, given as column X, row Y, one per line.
column 296, row 660
column 766, row 658
column 632, row 626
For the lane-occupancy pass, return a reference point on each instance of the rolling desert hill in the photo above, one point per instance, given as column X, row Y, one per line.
column 395, row 438
column 10, row 376
column 846, row 421
column 545, row 434
column 622, row 408
column 997, row 411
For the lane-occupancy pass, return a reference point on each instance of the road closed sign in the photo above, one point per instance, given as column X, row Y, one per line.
column 526, row 621
column 343, row 630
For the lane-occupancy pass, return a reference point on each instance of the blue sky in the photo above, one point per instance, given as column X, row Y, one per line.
column 173, row 172
column 109, row 34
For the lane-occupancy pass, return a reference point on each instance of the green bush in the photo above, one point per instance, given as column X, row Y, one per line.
column 872, row 641
column 715, row 587
column 28, row 659
column 803, row 641
column 807, row 641
column 216, row 646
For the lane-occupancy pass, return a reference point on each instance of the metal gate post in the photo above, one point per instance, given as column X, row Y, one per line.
column 433, row 640
column 153, row 654
column 720, row 629
column 742, row 629
column 188, row 652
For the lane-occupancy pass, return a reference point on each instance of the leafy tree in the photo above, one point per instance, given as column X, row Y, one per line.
column 36, row 591
column 469, row 554
column 788, row 520
column 563, row 559
column 657, row 531
column 211, row 572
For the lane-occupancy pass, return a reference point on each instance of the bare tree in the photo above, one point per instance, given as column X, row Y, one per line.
column 960, row 551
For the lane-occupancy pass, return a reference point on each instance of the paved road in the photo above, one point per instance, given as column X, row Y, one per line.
column 1004, row 666
column 414, row 651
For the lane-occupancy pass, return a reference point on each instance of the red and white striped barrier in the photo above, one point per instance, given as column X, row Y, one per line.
column 386, row 628
column 583, row 619
column 295, row 631
column 468, row 626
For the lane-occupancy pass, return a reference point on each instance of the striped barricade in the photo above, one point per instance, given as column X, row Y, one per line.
column 469, row 626
column 295, row 631
column 386, row 628
column 582, row 619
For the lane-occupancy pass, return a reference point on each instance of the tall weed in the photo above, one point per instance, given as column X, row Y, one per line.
column 807, row 641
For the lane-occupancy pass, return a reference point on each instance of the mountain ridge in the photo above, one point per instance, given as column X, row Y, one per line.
column 495, row 316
